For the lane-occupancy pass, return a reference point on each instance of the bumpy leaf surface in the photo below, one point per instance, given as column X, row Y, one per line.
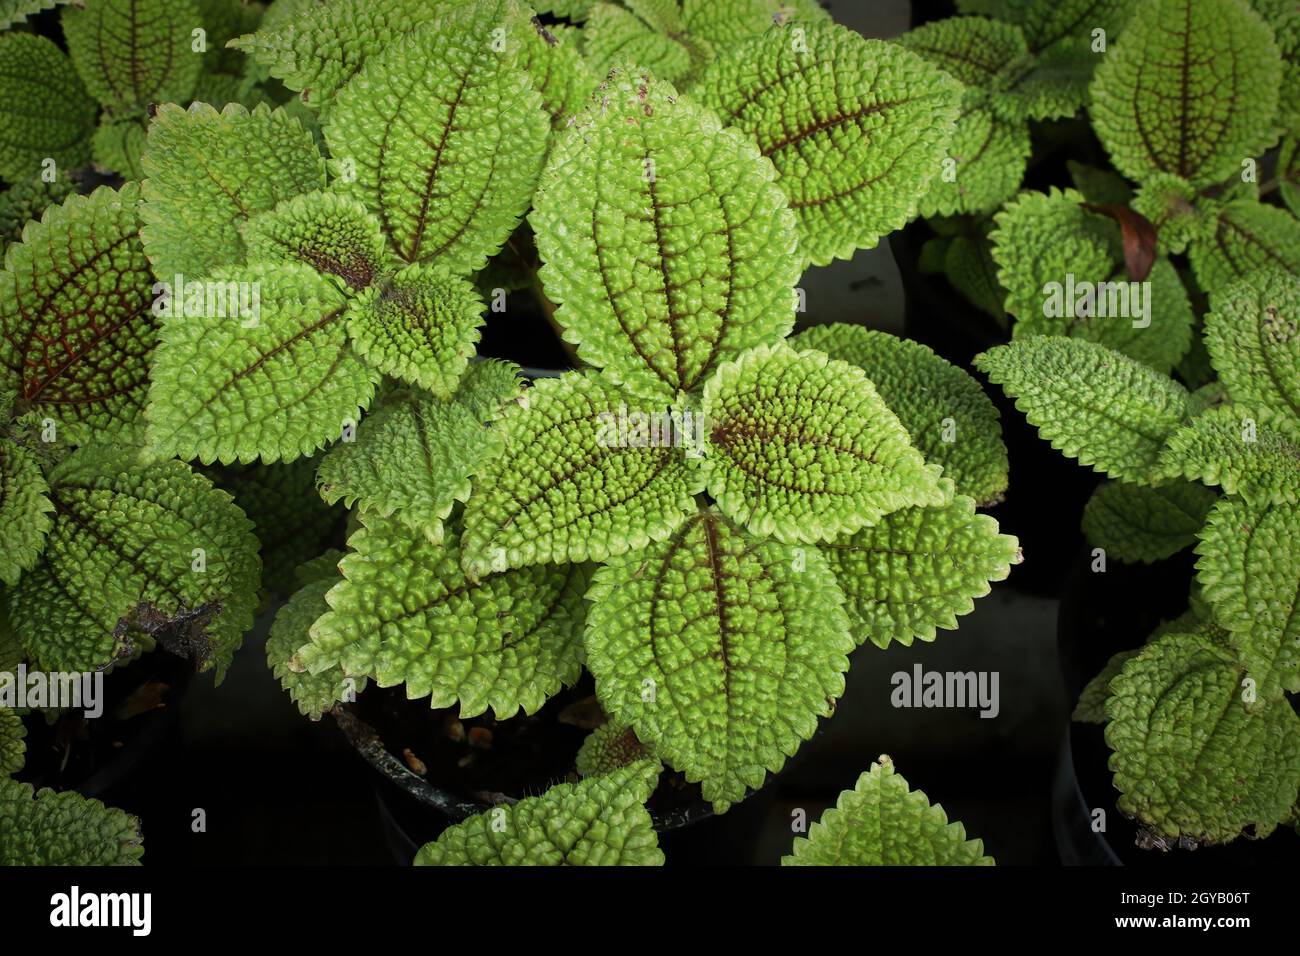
column 857, row 129
column 44, row 828
column 600, row 821
column 331, row 233
column 610, row 746
column 968, row 264
column 120, row 568
column 209, row 173
column 13, row 745
column 666, row 242
column 406, row 613
column 118, row 146
column 1253, row 335
column 1140, row 523
column 1248, row 570
column 1092, row 403
column 1047, row 24
column 1190, row 760
column 419, row 326
column 1244, row 451
column 75, row 314
column 276, row 385
column 1247, row 237
column 453, row 184
column 313, row 693
column 720, row 650
column 988, row 156
column 414, row 457
column 986, row 55
column 883, row 822
column 570, row 487
column 1091, row 707
column 132, row 53
column 1190, row 89
column 25, row 201
column 45, row 110
column 24, row 508
column 802, row 447
column 615, row 36
column 918, row 569
column 16, row 11
column 945, row 411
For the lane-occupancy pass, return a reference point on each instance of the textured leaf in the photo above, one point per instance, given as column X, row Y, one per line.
column 857, row 129
column 275, row 386
column 556, row 69
column 1248, row 571
column 722, row 22
column 1091, row 707
column 567, row 489
column 1247, row 237
column 664, row 239
column 1092, row 403
column 1046, row 23
column 1139, row 523
column 720, row 650
column 75, row 314
column 453, row 186
column 331, row 233
column 615, row 36
column 24, row 508
column 1244, row 451
column 609, row 747
column 414, row 458
column 945, row 411
column 405, row 613
column 986, row 55
column 1175, row 210
column 44, row 828
column 1102, row 187
column 883, row 822
column 209, row 173
column 1190, row 89
column 989, row 156
column 918, row 569
column 1190, row 760
column 600, row 821
column 16, row 11
column 13, row 746
column 133, row 53
column 802, row 447
column 119, row 570
column 223, row 20
column 968, row 264
column 1055, row 86
column 26, row 200
column 488, row 385
column 420, row 326
column 45, row 110
column 313, row 693
column 118, row 146
column 1253, row 335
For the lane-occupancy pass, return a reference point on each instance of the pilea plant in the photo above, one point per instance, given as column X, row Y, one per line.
column 710, row 516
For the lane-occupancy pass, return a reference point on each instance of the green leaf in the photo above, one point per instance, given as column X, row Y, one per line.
column 723, row 22
column 134, row 53
column 488, row 385
column 454, row 185
column 595, row 495
column 75, row 314
column 1092, row 403
column 1049, row 22
column 1176, row 211
column 333, row 234
column 45, row 110
column 989, row 156
column 1055, row 86
column 16, row 11
column 944, row 409
column 985, row 55
column 118, row 146
column 1190, row 89
column 883, row 822
column 13, row 746
column 209, row 173
column 419, row 326
column 802, row 447
column 1105, row 187
column 720, row 650
column 223, row 20
column 600, row 821
column 276, row 385
column 1091, row 707
column 413, row 457
column 24, row 510
column 609, row 747
column 44, row 828
column 968, row 264
column 313, row 693
column 1248, row 236
column 1190, row 760
column 1245, row 451
column 556, row 69
column 1139, row 523
column 614, row 36
column 664, row 239
column 1248, row 571
column 24, row 201
column 918, row 569
column 1253, row 335
column 857, row 129
column 122, row 563
column 406, row 613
